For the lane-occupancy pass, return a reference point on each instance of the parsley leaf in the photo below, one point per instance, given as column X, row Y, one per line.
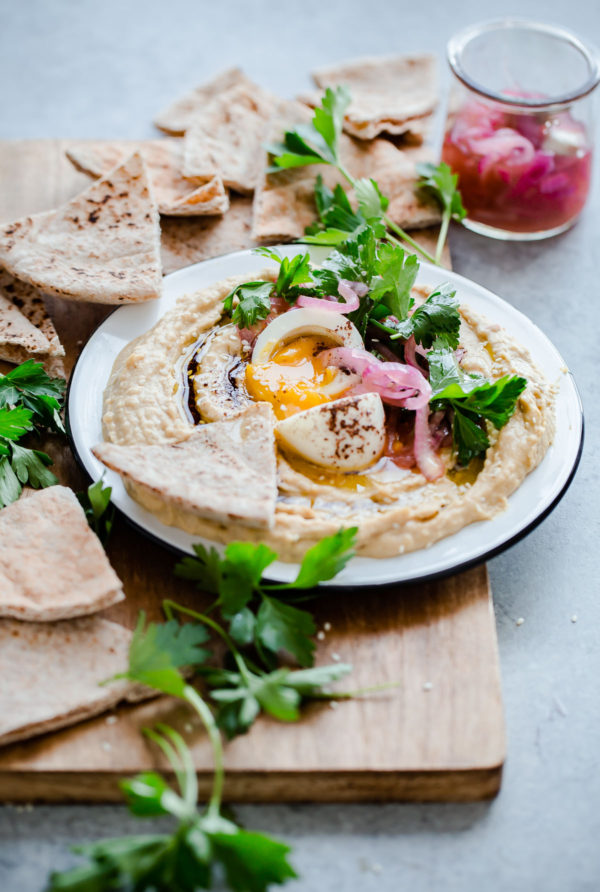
column 30, row 466
column 10, row 488
column 436, row 319
column 396, row 274
column 205, row 568
column 469, row 438
column 158, row 650
column 14, row 422
column 326, row 559
column 100, row 514
column 241, row 573
column 281, row 627
column 254, row 303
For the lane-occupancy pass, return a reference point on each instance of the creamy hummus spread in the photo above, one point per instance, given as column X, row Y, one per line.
column 189, row 368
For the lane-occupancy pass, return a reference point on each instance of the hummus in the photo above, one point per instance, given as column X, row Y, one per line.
column 190, row 367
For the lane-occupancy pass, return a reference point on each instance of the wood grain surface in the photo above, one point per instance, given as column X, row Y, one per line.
column 437, row 735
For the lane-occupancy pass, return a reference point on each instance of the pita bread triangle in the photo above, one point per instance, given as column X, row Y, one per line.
column 179, row 115
column 224, row 471
column 391, row 94
column 175, row 194
column 52, row 566
column 102, row 246
column 25, row 326
column 52, row 673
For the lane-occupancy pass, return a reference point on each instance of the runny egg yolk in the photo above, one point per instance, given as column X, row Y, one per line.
column 294, row 379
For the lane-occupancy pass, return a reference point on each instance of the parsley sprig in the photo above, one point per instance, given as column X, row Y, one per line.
column 30, row 403
column 202, row 839
column 252, row 606
column 442, row 184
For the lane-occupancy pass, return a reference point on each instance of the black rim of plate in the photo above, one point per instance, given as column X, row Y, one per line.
column 458, row 567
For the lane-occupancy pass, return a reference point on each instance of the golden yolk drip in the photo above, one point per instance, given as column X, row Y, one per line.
column 294, row 379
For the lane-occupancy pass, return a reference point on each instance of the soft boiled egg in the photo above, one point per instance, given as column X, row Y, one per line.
column 285, row 369
column 347, row 434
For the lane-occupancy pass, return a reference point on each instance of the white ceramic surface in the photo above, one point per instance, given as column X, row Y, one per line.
column 541, row 490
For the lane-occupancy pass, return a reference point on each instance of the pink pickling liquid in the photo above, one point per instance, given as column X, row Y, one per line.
column 523, row 172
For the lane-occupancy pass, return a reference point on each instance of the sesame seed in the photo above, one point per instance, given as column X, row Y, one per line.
column 574, row 618
column 111, row 719
column 188, row 728
column 106, row 746
column 520, row 621
column 427, row 686
column 327, row 627
column 336, row 658
column 321, row 636
column 333, row 704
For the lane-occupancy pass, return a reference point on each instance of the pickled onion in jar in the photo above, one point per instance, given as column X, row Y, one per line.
column 519, row 171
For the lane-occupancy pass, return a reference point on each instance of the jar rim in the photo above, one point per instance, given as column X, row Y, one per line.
column 459, row 42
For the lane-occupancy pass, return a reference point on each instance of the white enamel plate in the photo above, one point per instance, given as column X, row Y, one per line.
column 534, row 499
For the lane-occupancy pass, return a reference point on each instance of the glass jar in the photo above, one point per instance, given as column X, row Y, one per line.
column 519, row 129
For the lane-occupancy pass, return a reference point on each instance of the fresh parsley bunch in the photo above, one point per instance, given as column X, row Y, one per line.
column 30, row 402
column 184, row 860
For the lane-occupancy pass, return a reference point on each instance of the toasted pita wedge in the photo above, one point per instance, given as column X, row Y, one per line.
column 224, row 471
column 175, row 195
column 52, row 673
column 51, row 564
column 284, row 202
column 103, row 246
column 227, row 133
column 26, row 329
column 390, row 94
column 186, row 240
column 179, row 115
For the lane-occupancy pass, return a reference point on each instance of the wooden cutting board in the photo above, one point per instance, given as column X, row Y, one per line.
column 438, row 735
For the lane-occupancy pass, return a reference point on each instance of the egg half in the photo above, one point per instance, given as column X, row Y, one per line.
column 285, row 369
column 345, row 435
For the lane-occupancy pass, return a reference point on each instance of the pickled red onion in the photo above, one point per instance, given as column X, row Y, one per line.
column 351, row 292
column 429, row 463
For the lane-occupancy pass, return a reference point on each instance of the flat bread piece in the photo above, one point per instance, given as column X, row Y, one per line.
column 52, row 566
column 102, row 246
column 284, row 201
column 186, row 240
column 177, row 117
column 175, row 194
column 388, row 93
column 52, row 673
column 26, row 329
column 224, row 471
column 228, row 133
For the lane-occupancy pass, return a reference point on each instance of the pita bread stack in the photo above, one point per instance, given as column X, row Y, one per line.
column 175, row 194
column 52, row 566
column 52, row 674
column 224, row 471
column 102, row 246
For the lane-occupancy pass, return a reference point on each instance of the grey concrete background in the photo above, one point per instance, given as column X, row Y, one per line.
column 81, row 69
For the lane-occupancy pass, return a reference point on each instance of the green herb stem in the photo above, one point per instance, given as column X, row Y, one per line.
column 208, row 720
column 442, row 237
column 406, row 238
